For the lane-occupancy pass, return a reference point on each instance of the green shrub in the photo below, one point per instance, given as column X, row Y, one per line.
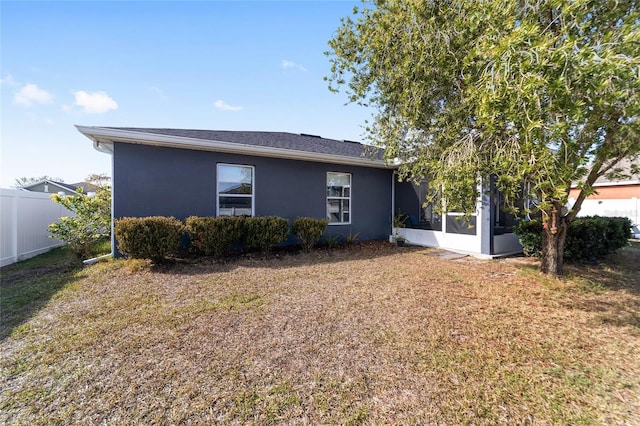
column 264, row 233
column 588, row 238
column 215, row 235
column 591, row 238
column 149, row 237
column 90, row 224
column 530, row 234
column 308, row 230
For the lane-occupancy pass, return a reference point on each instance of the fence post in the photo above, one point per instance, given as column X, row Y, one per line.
column 14, row 233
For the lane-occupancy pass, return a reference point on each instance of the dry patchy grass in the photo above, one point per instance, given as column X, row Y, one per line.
column 365, row 335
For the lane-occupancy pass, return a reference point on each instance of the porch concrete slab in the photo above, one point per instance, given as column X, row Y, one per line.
column 446, row 254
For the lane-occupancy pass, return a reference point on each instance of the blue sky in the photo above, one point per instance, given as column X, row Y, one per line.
column 236, row 65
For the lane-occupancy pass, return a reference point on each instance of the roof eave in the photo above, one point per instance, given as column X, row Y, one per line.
column 103, row 139
column 48, row 182
column 611, row 183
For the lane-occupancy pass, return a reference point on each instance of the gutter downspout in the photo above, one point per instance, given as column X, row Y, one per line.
column 393, row 200
column 97, row 259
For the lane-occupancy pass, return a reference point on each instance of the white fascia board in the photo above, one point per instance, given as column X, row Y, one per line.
column 103, row 137
column 615, row 183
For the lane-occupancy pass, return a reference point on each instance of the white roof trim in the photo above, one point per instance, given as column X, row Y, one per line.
column 617, row 183
column 612, row 183
column 103, row 139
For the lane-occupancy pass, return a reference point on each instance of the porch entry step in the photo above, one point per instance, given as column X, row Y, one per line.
column 446, row 254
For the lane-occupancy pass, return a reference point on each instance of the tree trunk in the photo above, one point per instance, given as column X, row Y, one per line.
column 554, row 233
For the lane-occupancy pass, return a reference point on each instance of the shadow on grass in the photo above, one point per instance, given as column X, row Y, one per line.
column 27, row 286
column 608, row 289
column 618, row 272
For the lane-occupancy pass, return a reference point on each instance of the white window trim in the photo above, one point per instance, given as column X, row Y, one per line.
column 340, row 198
column 253, row 187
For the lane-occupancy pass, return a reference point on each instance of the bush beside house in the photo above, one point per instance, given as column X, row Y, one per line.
column 264, row 233
column 90, row 224
column 309, row 230
column 156, row 238
column 215, row 236
column 152, row 238
column 588, row 238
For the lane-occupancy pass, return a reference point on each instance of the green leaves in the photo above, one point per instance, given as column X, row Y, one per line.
column 537, row 94
column 90, row 223
column 529, row 92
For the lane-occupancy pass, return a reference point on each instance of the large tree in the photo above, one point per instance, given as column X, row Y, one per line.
column 539, row 94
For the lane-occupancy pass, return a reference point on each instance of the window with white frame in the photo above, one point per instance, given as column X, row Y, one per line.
column 235, row 195
column 339, row 198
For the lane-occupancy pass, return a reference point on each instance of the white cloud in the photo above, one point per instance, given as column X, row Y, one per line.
column 30, row 94
column 223, row 106
column 94, row 103
column 9, row 81
column 157, row 92
column 286, row 64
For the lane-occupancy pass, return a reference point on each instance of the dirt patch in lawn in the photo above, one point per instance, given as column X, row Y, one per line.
column 365, row 335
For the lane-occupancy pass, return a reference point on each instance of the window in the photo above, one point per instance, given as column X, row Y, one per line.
column 235, row 190
column 339, row 198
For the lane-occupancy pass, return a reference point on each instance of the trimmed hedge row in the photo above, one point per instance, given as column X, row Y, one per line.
column 309, row 231
column 214, row 236
column 264, row 233
column 588, row 238
column 152, row 238
column 156, row 238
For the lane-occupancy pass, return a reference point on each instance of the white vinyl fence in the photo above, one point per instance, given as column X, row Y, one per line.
column 613, row 208
column 24, row 220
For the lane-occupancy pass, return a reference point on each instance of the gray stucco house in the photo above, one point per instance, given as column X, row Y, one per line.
column 180, row 173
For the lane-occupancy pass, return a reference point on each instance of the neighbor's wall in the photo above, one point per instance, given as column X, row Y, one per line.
column 150, row 181
column 629, row 208
column 610, row 192
column 612, row 201
column 24, row 224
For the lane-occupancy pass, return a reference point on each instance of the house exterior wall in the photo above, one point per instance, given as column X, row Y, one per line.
column 613, row 192
column 612, row 201
column 156, row 181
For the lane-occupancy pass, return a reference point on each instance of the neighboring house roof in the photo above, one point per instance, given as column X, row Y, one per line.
column 266, row 144
column 623, row 167
column 68, row 187
column 86, row 186
column 620, row 174
column 60, row 185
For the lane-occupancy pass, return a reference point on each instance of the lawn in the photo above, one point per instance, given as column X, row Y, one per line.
column 367, row 334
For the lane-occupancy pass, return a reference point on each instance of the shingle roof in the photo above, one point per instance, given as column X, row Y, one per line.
column 86, row 186
column 280, row 140
column 66, row 185
column 624, row 167
column 62, row 185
